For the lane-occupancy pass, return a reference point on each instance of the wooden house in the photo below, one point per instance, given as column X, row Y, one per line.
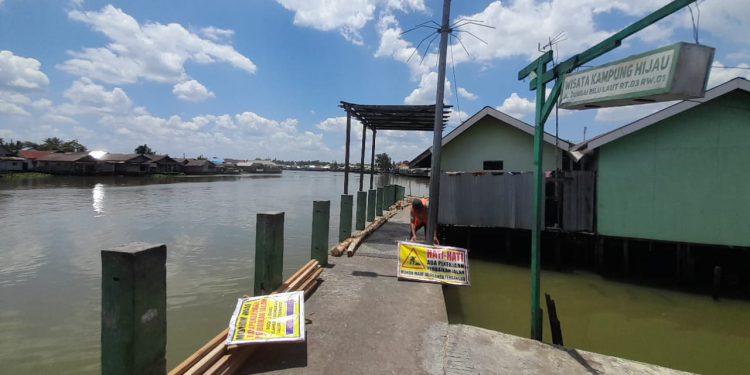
column 73, row 163
column 124, row 164
column 162, row 164
column 679, row 174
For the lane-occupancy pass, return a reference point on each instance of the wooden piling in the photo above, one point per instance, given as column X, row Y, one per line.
column 345, row 217
column 269, row 252
column 689, row 264
column 134, row 309
column 600, row 254
column 508, row 245
column 716, row 283
column 361, row 209
column 371, row 205
column 319, row 238
column 554, row 322
column 379, row 201
column 625, row 257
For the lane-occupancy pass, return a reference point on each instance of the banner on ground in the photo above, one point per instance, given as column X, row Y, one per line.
column 437, row 264
column 272, row 318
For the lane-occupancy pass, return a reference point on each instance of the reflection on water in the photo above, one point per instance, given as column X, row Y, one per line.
column 97, row 197
column 674, row 329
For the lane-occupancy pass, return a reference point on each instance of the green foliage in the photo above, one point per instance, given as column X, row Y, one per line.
column 144, row 150
column 59, row 145
column 383, row 162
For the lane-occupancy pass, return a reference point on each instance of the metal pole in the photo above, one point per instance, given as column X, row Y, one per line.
column 372, row 157
column 346, row 156
column 536, row 227
column 437, row 135
column 362, row 160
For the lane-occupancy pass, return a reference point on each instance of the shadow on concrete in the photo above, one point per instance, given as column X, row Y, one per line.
column 275, row 357
column 370, row 274
column 578, row 358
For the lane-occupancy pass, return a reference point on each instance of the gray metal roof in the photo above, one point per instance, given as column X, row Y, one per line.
column 396, row 117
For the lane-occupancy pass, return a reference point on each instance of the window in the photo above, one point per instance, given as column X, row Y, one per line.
column 493, row 165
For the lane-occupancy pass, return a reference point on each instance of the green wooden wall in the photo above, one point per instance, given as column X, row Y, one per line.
column 492, row 139
column 685, row 179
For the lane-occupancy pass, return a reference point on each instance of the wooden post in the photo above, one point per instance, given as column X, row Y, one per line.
column 678, row 262
column 345, row 217
column 269, row 252
column 558, row 253
column 716, row 282
column 379, row 201
column 508, row 245
column 600, row 254
column 690, row 263
column 319, row 239
column 371, row 205
column 134, row 309
column 625, row 257
column 361, row 209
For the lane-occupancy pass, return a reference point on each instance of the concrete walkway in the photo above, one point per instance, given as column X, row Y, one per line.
column 362, row 320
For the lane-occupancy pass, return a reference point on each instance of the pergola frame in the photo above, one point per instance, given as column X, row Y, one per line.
column 384, row 117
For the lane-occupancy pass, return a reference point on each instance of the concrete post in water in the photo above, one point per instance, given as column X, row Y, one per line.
column 319, row 239
column 371, row 205
column 379, row 201
column 134, row 309
column 389, row 196
column 400, row 192
column 361, row 209
column 269, row 252
column 345, row 217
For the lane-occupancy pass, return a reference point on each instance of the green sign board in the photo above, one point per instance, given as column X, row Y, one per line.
column 675, row 72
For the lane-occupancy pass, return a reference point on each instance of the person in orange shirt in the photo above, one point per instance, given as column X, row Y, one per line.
column 419, row 209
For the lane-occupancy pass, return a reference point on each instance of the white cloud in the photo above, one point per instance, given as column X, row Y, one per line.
column 216, row 34
column 346, row 16
column 517, row 106
column 192, row 91
column 720, row 74
column 466, row 94
column 152, row 51
column 21, row 73
column 87, row 97
column 425, row 93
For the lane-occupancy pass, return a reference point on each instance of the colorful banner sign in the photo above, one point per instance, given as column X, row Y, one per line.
column 272, row 318
column 437, row 264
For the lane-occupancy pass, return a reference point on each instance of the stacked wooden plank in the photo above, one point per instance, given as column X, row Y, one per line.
column 350, row 245
column 216, row 358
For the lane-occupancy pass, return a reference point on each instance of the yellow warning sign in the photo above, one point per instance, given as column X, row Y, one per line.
column 438, row 264
column 276, row 317
column 413, row 262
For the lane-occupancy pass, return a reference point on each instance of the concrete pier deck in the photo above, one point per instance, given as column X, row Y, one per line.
column 362, row 320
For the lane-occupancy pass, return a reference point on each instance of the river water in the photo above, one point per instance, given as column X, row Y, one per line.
column 50, row 273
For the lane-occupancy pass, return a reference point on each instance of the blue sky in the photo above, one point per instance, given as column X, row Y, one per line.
column 264, row 78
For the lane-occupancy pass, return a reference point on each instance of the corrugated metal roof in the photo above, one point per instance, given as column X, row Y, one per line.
column 68, row 157
column 33, row 154
column 120, row 157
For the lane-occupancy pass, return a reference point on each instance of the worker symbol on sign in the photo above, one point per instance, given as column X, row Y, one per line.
column 412, row 261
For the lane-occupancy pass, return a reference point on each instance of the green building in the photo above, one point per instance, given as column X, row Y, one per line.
column 678, row 175
column 492, row 140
